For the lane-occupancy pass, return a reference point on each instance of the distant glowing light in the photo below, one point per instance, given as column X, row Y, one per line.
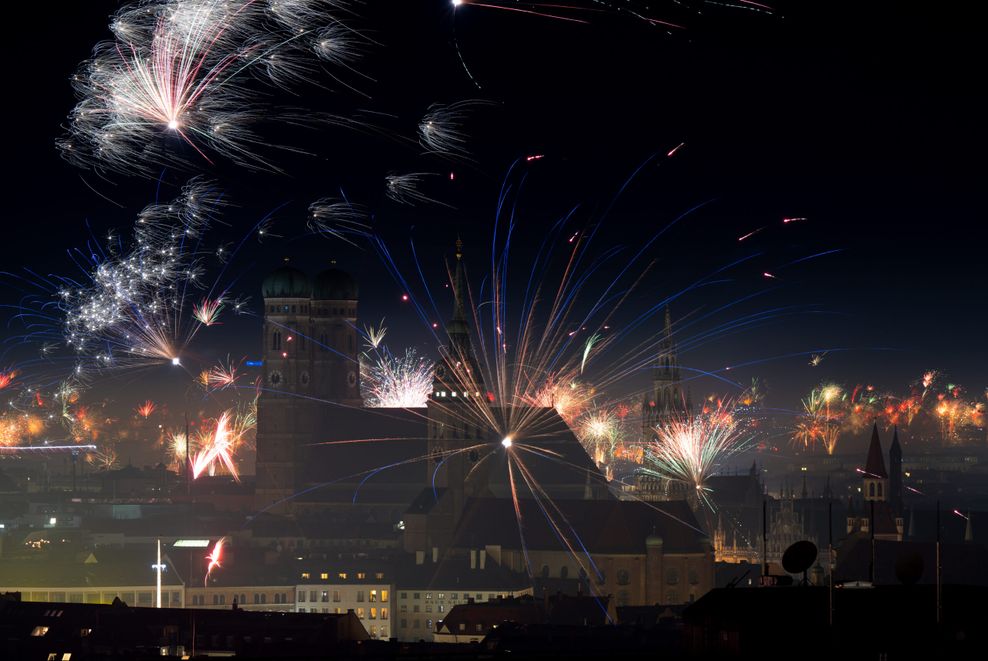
column 173, row 124
column 176, row 361
column 507, row 442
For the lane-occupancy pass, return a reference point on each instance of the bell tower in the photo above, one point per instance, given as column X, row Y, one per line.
column 284, row 419
column 456, row 404
column 335, row 357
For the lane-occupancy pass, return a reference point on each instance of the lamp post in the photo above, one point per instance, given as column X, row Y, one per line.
column 158, row 568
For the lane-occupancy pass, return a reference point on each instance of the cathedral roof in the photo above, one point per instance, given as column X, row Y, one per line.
column 876, row 462
column 286, row 282
column 334, row 285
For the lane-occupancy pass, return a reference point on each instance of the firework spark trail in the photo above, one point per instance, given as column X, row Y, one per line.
column 179, row 72
column 215, row 559
column 338, row 218
column 405, row 188
column 441, row 129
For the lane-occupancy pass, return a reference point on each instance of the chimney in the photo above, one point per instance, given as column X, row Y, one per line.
column 420, row 557
column 483, row 558
column 435, row 554
column 473, row 558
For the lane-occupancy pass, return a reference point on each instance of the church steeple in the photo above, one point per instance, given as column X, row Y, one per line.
column 458, row 376
column 874, row 475
column 895, row 473
column 666, row 399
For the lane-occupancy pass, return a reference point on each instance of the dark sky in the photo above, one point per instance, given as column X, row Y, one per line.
column 865, row 118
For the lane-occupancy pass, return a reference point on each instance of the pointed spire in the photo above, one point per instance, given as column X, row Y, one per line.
column 895, row 442
column 459, row 285
column 875, row 466
column 668, row 329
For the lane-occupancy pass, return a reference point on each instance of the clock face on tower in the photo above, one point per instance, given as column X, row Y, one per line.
column 274, row 378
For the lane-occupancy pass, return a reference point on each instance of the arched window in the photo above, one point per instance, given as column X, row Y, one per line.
column 879, row 489
column 545, row 571
column 276, row 340
column 871, row 490
column 623, row 578
column 564, row 572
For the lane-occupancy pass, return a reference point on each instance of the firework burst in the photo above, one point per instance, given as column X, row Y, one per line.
column 690, row 449
column 174, row 86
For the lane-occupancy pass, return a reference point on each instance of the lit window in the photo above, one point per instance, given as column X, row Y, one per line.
column 373, row 613
column 373, row 596
column 384, row 613
column 360, row 613
column 342, row 575
column 305, row 574
column 39, row 631
column 324, row 576
column 379, row 575
column 384, row 596
column 361, row 576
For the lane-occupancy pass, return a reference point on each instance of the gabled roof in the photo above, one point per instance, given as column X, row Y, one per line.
column 875, row 467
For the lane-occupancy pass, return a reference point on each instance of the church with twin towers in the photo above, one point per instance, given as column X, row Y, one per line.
column 316, row 439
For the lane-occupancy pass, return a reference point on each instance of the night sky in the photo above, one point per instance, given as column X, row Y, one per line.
column 864, row 118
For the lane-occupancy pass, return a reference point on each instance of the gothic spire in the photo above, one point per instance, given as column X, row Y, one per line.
column 875, row 466
column 459, row 285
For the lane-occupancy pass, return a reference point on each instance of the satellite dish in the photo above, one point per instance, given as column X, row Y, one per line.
column 909, row 568
column 799, row 557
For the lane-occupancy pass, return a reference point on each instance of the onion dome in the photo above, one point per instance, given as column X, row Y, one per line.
column 286, row 282
column 334, row 285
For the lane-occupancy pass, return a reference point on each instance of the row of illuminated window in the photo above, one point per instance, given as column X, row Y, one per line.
column 451, row 595
column 417, row 608
column 453, row 393
column 362, row 613
column 323, row 595
column 220, row 599
column 343, row 575
column 145, row 598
